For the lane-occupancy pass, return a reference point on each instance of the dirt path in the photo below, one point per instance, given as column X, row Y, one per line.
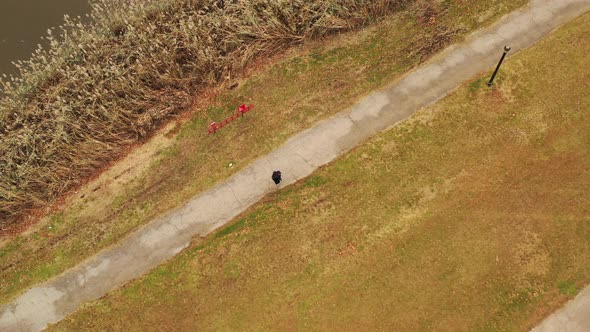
column 301, row 155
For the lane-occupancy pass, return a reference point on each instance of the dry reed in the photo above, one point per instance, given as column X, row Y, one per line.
column 100, row 86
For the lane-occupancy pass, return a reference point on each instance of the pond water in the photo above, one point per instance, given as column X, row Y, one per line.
column 24, row 22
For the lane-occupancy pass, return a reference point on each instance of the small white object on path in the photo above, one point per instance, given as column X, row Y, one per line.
column 161, row 239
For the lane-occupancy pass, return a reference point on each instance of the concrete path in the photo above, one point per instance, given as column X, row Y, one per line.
column 573, row 317
column 301, row 155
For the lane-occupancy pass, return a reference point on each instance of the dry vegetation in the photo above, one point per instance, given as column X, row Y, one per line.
column 472, row 216
column 331, row 75
column 103, row 85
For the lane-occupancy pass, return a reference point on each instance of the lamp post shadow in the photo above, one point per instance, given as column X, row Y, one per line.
column 506, row 50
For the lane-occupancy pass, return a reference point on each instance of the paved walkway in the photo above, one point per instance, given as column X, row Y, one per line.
column 573, row 317
column 301, row 155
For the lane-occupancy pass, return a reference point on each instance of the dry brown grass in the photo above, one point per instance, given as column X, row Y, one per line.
column 442, row 223
column 104, row 85
column 331, row 75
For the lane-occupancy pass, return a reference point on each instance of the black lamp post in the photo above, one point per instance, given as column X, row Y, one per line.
column 506, row 50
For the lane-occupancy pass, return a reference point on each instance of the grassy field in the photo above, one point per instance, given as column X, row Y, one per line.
column 473, row 215
column 309, row 84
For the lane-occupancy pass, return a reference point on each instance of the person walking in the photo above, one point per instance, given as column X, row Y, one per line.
column 277, row 177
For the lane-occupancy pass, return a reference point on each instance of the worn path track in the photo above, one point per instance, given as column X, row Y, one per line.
column 301, row 155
